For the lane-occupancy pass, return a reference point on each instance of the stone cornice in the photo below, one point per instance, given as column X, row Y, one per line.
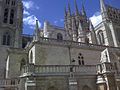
column 72, row 44
column 16, row 50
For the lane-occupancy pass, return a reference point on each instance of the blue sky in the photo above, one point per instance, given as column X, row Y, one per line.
column 53, row 11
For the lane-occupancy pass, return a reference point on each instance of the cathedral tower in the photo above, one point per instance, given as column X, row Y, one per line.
column 11, row 15
column 76, row 24
column 109, row 33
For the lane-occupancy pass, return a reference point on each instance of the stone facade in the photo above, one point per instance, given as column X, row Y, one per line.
column 76, row 57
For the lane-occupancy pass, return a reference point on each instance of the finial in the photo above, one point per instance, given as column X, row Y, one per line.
column 102, row 5
column 37, row 25
column 36, row 32
column 103, row 10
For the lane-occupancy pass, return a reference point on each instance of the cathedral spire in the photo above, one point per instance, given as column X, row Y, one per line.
column 83, row 10
column 76, row 8
column 69, row 9
column 36, row 32
column 102, row 6
column 103, row 10
column 65, row 12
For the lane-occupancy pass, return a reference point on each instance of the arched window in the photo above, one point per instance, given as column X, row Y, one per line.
column 59, row 36
column 31, row 57
column 6, row 39
column 13, row 3
column 86, row 88
column 101, row 37
column 7, row 2
column 5, row 15
column 11, row 16
column 81, row 59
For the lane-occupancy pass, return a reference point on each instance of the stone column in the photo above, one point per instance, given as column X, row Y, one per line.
column 30, row 84
column 106, row 79
column 110, row 81
column 73, row 85
column 22, row 84
column 101, row 83
column 109, row 76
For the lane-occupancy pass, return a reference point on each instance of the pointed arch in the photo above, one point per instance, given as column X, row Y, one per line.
column 86, row 88
column 59, row 36
column 101, row 37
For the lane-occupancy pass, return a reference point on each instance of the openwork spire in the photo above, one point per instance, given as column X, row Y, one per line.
column 76, row 8
column 103, row 10
column 83, row 10
column 69, row 9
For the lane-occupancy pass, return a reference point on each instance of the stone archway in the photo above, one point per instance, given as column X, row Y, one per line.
column 86, row 88
column 52, row 88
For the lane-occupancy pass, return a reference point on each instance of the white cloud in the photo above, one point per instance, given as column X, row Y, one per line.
column 61, row 20
column 58, row 21
column 26, row 12
column 31, row 21
column 37, row 7
column 55, row 22
column 96, row 19
column 30, row 4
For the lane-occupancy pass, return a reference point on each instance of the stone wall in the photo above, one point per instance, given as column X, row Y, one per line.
column 54, row 55
column 3, row 57
column 62, row 83
column 14, row 62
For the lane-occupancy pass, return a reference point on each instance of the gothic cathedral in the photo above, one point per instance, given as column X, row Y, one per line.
column 75, row 57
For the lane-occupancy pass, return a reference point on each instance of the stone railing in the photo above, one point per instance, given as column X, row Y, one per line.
column 58, row 69
column 52, row 41
column 13, row 83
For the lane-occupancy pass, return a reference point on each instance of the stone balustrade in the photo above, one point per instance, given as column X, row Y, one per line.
column 52, row 41
column 40, row 70
column 9, row 83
